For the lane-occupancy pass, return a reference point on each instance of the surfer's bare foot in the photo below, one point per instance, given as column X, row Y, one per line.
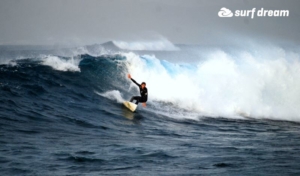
column 129, row 76
column 144, row 104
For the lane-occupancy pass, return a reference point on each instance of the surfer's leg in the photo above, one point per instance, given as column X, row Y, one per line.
column 137, row 98
column 132, row 98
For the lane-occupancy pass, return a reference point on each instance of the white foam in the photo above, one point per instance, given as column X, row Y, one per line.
column 61, row 64
column 263, row 84
column 112, row 95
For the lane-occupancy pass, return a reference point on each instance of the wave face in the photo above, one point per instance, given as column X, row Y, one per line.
column 231, row 84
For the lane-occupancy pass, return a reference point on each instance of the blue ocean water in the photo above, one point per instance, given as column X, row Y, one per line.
column 61, row 113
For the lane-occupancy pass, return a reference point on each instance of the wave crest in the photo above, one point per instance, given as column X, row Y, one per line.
column 61, row 64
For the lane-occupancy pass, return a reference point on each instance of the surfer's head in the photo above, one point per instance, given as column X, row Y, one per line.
column 143, row 85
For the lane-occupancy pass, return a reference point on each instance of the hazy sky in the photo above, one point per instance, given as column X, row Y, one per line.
column 77, row 22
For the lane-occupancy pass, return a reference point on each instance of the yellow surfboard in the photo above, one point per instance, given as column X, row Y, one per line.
column 130, row 106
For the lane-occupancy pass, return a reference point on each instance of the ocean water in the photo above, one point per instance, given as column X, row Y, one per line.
column 211, row 110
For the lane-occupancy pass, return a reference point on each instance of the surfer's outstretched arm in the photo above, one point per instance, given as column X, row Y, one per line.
column 129, row 76
column 135, row 82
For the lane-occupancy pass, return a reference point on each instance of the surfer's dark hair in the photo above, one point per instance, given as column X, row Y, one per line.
column 143, row 83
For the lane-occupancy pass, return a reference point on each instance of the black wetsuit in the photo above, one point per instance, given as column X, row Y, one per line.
column 144, row 94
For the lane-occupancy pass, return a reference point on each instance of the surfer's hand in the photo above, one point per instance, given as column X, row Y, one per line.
column 144, row 104
column 129, row 76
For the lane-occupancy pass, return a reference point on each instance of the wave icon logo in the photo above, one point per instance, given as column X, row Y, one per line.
column 224, row 12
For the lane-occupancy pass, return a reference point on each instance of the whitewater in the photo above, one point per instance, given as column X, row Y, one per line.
column 221, row 110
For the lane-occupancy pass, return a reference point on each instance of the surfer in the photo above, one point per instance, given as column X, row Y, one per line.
column 143, row 90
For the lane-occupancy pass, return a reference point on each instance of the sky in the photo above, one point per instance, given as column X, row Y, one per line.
column 81, row 22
